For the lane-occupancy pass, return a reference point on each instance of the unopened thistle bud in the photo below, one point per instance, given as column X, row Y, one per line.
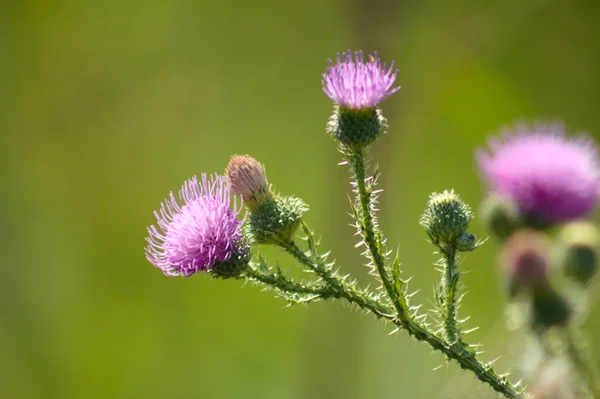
column 500, row 214
column 447, row 218
column 525, row 260
column 356, row 87
column 273, row 218
column 466, row 242
column 247, row 179
column 578, row 251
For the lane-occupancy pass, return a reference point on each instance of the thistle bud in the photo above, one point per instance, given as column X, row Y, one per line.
column 525, row 262
column 276, row 219
column 466, row 242
column 501, row 215
column 247, row 178
column 446, row 218
column 578, row 251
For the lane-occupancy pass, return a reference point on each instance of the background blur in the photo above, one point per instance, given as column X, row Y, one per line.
column 107, row 106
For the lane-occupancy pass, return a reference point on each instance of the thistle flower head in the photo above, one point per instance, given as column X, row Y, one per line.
column 356, row 84
column 198, row 232
column 551, row 178
column 246, row 177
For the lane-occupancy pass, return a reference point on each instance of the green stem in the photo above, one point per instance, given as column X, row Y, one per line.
column 372, row 236
column 450, row 282
column 334, row 283
column 583, row 360
column 287, row 285
column 460, row 352
column 453, row 349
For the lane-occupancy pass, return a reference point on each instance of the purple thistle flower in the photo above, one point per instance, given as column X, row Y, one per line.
column 551, row 178
column 198, row 234
column 357, row 84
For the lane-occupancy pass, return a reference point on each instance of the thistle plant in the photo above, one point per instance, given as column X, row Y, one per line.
column 542, row 187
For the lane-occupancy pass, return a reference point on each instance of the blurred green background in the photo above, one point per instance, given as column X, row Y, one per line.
column 107, row 106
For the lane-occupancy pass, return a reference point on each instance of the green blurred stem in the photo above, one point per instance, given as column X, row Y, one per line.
column 582, row 359
column 450, row 283
column 460, row 352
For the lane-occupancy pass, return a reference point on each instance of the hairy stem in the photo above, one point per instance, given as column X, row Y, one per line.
column 460, row 352
column 288, row 286
column 371, row 234
column 450, row 283
column 583, row 360
column 452, row 348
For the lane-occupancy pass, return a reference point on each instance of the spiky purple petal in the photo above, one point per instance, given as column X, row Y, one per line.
column 354, row 83
column 196, row 232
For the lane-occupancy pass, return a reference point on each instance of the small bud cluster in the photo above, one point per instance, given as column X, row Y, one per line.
column 543, row 186
column 202, row 232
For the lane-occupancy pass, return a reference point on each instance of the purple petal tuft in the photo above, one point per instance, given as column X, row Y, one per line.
column 200, row 232
column 552, row 178
column 356, row 84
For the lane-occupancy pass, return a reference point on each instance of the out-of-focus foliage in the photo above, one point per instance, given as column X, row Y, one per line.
column 105, row 107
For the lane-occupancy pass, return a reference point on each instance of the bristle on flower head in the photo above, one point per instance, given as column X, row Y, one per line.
column 552, row 178
column 200, row 232
column 356, row 84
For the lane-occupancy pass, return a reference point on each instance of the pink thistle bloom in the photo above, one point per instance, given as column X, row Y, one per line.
column 356, row 84
column 552, row 178
column 197, row 232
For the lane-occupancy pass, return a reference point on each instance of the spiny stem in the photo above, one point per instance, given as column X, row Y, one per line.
column 453, row 349
column 582, row 360
column 372, row 236
column 450, row 282
column 460, row 352
column 288, row 286
column 334, row 283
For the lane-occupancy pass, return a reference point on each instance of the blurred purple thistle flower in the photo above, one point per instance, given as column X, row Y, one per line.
column 551, row 178
column 199, row 233
column 357, row 84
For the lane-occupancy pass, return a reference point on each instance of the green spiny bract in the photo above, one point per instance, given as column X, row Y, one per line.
column 275, row 220
column 447, row 218
column 234, row 266
column 356, row 128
